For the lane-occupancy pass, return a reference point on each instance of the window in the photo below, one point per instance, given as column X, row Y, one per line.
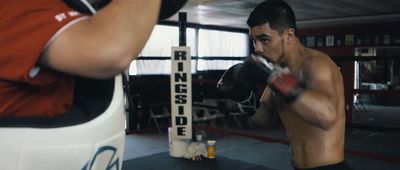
column 159, row 45
column 213, row 43
column 163, row 38
column 213, row 48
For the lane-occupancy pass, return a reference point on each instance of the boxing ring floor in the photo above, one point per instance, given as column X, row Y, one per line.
column 150, row 151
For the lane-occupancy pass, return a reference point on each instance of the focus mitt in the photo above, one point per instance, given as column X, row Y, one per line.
column 87, row 6
column 170, row 7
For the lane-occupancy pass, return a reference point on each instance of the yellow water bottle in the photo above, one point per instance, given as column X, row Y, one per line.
column 211, row 149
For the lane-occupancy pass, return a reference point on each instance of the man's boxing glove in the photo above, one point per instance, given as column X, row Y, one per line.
column 280, row 80
column 235, row 85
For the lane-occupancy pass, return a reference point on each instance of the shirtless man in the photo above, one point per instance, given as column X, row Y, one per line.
column 304, row 87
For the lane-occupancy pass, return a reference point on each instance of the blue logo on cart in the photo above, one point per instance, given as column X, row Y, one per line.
column 113, row 164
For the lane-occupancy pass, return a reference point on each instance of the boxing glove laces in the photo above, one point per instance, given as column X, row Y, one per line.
column 234, row 85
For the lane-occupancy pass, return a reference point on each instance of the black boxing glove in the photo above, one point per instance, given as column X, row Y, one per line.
column 167, row 9
column 87, row 6
column 249, row 105
column 235, row 85
column 170, row 7
column 279, row 79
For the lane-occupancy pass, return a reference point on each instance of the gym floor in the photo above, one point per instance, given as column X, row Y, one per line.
column 366, row 149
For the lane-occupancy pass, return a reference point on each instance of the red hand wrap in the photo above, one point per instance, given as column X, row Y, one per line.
column 287, row 85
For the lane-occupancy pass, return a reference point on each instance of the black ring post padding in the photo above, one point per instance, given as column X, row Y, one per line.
column 182, row 29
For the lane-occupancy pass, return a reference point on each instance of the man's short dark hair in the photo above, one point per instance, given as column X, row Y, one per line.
column 277, row 13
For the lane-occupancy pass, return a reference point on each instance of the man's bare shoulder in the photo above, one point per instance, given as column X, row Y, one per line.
column 317, row 56
column 318, row 65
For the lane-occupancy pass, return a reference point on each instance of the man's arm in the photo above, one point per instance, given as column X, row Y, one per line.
column 266, row 115
column 317, row 104
column 105, row 44
column 266, row 97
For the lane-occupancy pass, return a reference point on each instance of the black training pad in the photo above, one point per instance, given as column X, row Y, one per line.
column 163, row 161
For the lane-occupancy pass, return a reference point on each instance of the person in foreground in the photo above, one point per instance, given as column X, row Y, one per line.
column 304, row 87
column 44, row 42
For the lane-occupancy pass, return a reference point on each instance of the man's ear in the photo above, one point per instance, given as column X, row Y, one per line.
column 290, row 34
